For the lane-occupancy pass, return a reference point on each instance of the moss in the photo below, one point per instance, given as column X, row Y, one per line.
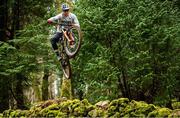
column 19, row 113
column 127, row 110
column 85, row 102
column 119, row 102
column 116, row 115
column 24, row 113
column 14, row 114
column 79, row 111
column 143, row 108
column 139, row 115
column 61, row 115
column 90, row 108
column 43, row 107
column 53, row 107
column 117, row 106
column 76, row 103
column 161, row 112
column 66, row 107
column 7, row 113
column 176, row 105
column 34, row 112
column 52, row 113
column 43, row 112
column 137, row 109
column 121, row 107
column 81, row 108
column 114, row 103
column 1, row 115
column 123, row 101
column 112, row 110
column 97, row 113
column 66, row 90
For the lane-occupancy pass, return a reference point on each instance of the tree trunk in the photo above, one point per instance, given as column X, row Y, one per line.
column 45, row 85
column 3, row 19
column 121, row 87
column 16, row 17
column 4, row 94
column 4, row 88
column 66, row 88
column 155, row 68
column 19, row 92
column 126, row 87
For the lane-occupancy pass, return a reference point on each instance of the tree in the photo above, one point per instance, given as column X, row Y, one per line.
column 136, row 39
column 19, row 57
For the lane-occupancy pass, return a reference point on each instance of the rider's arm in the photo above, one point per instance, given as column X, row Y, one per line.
column 75, row 21
column 54, row 19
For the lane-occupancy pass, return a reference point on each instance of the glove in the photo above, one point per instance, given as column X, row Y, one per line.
column 49, row 21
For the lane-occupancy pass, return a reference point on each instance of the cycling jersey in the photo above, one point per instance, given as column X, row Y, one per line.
column 65, row 20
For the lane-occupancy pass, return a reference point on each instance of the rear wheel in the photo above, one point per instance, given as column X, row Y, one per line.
column 66, row 67
column 72, row 51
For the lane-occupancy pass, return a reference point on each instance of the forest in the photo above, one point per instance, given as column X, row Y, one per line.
column 130, row 49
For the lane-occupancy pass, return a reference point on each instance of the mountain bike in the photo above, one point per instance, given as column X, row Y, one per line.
column 66, row 50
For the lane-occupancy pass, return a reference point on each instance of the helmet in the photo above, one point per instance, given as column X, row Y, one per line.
column 65, row 7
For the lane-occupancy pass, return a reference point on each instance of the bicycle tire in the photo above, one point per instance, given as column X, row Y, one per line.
column 66, row 67
column 71, row 52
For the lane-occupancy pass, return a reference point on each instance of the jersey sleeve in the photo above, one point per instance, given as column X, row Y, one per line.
column 75, row 21
column 55, row 18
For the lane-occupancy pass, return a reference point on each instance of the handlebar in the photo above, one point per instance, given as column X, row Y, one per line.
column 61, row 24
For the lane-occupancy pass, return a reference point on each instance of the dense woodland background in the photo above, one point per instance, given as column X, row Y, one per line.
column 131, row 48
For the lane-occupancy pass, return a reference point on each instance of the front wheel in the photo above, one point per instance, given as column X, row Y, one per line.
column 71, row 51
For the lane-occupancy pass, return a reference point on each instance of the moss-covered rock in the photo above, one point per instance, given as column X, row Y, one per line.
column 121, row 107
column 16, row 113
column 176, row 105
column 53, row 113
column 117, row 106
column 160, row 112
column 52, row 109
column 7, row 113
column 97, row 113
column 82, row 108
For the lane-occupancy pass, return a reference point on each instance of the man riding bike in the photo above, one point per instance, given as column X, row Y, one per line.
column 68, row 19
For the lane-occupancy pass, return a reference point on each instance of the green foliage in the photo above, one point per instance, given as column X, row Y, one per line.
column 28, row 50
column 8, row 61
column 139, row 38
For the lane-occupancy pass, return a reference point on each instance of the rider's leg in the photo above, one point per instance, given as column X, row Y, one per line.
column 54, row 41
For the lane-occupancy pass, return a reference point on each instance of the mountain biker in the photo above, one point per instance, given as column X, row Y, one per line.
column 68, row 19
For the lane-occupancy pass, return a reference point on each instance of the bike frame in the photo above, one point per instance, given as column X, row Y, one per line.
column 65, row 34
